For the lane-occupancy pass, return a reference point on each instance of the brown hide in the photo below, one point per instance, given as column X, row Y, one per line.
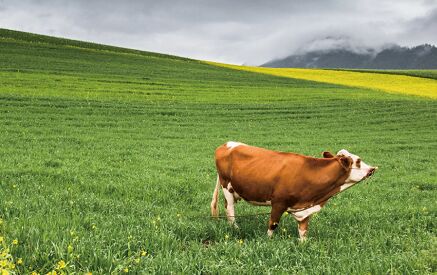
column 292, row 180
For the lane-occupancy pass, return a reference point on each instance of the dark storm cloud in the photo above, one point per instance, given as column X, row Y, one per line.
column 230, row 31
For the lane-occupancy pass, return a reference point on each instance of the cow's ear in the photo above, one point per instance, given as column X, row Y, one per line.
column 327, row 154
column 346, row 162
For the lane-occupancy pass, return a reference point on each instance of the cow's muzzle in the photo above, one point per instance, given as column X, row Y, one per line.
column 371, row 171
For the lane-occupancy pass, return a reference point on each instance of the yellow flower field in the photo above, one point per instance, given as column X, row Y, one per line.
column 390, row 83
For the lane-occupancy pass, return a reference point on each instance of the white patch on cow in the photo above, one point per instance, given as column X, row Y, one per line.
column 230, row 212
column 301, row 215
column 260, row 203
column 233, row 144
column 346, row 186
column 357, row 173
column 235, row 194
column 270, row 232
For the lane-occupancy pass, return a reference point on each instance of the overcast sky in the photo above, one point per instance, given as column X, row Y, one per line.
column 233, row 31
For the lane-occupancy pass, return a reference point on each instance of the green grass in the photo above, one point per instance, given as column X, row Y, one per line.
column 111, row 152
column 418, row 73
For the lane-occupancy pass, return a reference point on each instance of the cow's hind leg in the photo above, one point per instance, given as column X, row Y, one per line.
column 229, row 205
column 275, row 216
column 215, row 197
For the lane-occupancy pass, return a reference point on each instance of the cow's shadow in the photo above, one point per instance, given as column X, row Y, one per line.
column 209, row 231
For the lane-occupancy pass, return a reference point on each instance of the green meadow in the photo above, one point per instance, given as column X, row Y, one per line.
column 106, row 166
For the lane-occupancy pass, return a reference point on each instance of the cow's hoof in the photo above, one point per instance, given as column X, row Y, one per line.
column 302, row 239
column 234, row 225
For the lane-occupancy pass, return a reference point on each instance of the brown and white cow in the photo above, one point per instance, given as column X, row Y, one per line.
column 298, row 184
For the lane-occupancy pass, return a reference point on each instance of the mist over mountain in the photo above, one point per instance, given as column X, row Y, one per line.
column 346, row 56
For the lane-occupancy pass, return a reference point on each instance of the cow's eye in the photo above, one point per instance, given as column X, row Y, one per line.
column 358, row 163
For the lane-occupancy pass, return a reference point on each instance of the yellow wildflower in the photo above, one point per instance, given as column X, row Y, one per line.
column 143, row 253
column 88, row 273
column 1, row 239
column 126, row 270
column 15, row 242
column 399, row 84
column 137, row 260
column 61, row 264
column 240, row 242
column 70, row 248
column 19, row 261
column 5, row 272
column 34, row 273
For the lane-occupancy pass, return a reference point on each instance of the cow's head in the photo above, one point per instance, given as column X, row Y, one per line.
column 359, row 170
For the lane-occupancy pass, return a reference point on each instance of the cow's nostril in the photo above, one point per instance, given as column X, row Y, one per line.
column 371, row 171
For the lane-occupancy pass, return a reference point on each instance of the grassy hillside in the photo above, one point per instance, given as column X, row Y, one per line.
column 407, row 82
column 107, row 165
column 432, row 74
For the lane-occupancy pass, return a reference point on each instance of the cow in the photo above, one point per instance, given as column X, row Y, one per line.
column 288, row 182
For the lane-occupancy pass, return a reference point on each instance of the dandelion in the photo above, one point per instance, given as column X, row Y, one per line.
column 61, row 264
column 5, row 272
column 126, row 270
column 240, row 241
column 34, row 273
column 143, row 253
column 19, row 261
column 15, row 242
column 88, row 273
column 1, row 239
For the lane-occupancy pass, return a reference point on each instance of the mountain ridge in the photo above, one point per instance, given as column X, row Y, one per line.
column 392, row 57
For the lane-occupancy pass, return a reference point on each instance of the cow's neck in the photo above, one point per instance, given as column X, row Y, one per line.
column 332, row 184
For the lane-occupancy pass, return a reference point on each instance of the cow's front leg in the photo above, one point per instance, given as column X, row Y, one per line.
column 229, row 205
column 275, row 216
column 303, row 229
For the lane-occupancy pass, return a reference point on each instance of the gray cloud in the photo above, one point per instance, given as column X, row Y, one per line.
column 249, row 31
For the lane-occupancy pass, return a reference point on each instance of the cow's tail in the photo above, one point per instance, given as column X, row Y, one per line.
column 215, row 198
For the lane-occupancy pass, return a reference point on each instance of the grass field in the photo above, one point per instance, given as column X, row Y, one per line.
column 399, row 82
column 419, row 73
column 107, row 166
